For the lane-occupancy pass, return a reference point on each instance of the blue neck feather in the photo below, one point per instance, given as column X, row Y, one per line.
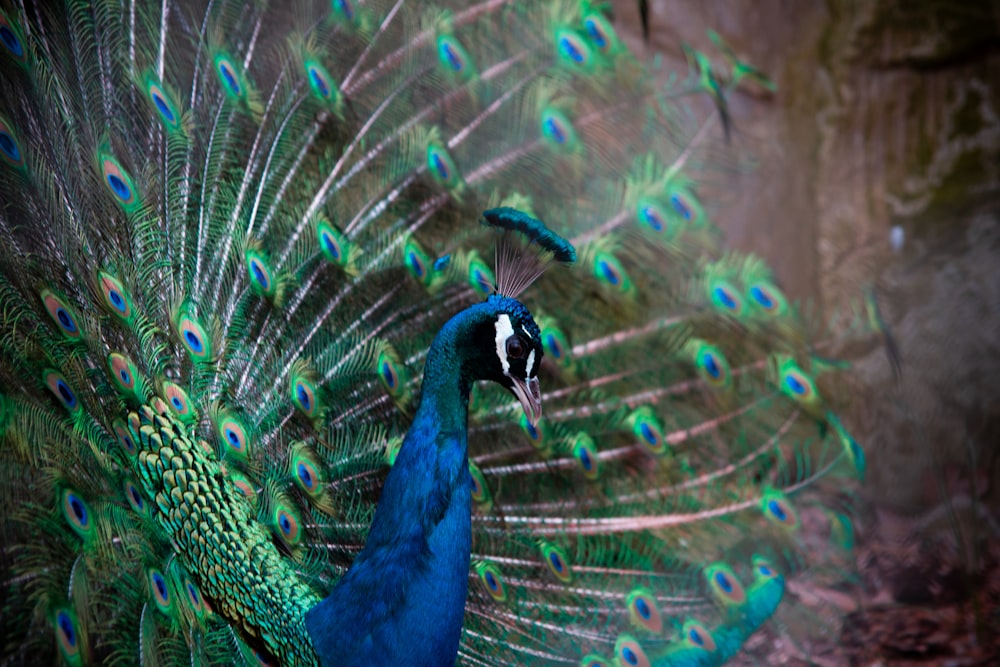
column 403, row 600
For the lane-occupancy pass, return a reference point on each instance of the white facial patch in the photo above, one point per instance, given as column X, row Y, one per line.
column 504, row 331
column 531, row 363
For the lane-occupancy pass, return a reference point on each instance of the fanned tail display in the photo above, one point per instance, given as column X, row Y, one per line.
column 229, row 235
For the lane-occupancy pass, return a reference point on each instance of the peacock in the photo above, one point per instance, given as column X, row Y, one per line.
column 392, row 332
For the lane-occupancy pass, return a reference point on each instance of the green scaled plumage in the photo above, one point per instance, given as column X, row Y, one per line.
column 230, row 232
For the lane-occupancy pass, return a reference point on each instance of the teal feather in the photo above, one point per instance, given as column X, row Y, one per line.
column 243, row 325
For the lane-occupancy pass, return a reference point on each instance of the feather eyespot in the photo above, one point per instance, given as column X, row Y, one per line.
column 77, row 514
column 118, row 182
column 10, row 147
column 601, row 34
column 233, row 435
column 163, row 104
column 648, row 430
column 651, row 214
column 134, row 498
column 453, row 56
column 712, row 365
column 390, row 373
column 244, row 486
column 228, row 74
column 288, row 524
column 442, row 166
column 697, row 636
column 480, row 491
column 557, row 129
column 572, row 49
column 322, row 84
column 10, row 38
column 68, row 636
column 304, row 396
column 768, row 298
column 159, row 589
column 779, row 511
column 114, row 295
column 307, row 473
column 555, row 559
column 344, row 8
column 763, row 568
column 724, row 585
column 553, row 346
column 492, row 580
column 306, row 476
column 178, row 401
column 608, row 270
column 537, row 435
column 259, row 271
column 585, row 453
column 57, row 384
column 480, row 277
column 194, row 338
column 643, row 610
column 124, row 438
column 124, row 374
column 630, row 652
column 854, row 451
column 681, row 206
column 415, row 263
column 62, row 314
column 685, row 205
column 194, row 598
column 594, row 661
column 725, row 297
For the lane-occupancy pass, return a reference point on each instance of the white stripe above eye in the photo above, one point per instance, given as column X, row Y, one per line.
column 504, row 331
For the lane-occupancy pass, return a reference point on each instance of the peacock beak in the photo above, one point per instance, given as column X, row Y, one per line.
column 529, row 393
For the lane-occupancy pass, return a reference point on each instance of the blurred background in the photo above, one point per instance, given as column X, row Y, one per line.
column 874, row 169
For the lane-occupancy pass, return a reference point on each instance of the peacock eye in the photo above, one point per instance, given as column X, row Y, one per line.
column 516, row 348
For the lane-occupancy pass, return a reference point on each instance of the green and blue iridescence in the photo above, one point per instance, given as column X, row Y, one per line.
column 10, row 147
column 322, row 84
column 194, row 338
column 453, row 57
column 481, row 277
column 558, row 131
column 230, row 77
column 533, row 229
column 573, row 50
column 442, row 167
column 60, row 388
column 492, row 580
column 600, row 31
column 611, row 273
column 430, row 473
column 62, row 314
column 77, row 513
column 10, row 37
column 163, row 104
column 643, row 610
column 118, row 182
column 68, row 636
column 115, row 297
column 725, row 297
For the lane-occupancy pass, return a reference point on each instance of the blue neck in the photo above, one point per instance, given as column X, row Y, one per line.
column 403, row 600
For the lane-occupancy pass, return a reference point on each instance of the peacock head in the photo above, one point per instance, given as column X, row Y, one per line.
column 508, row 343
column 506, row 348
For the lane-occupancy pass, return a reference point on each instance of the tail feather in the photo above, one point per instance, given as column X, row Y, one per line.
column 229, row 233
